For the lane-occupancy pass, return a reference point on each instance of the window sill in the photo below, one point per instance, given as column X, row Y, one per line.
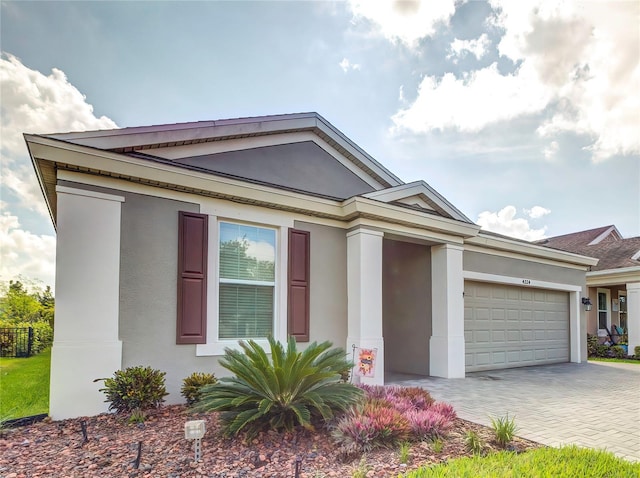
column 217, row 348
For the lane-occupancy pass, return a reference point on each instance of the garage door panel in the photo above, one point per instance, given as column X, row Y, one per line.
column 509, row 326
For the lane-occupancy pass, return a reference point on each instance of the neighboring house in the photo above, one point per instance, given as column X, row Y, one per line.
column 614, row 283
column 176, row 241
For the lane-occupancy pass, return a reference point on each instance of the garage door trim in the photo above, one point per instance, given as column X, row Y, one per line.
column 574, row 301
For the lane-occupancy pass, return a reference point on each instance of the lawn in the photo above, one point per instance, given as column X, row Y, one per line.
column 566, row 462
column 24, row 386
column 617, row 360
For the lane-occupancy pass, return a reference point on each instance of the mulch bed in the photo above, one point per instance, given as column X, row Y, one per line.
column 59, row 449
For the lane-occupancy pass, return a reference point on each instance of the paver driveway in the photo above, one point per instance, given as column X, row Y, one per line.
column 595, row 404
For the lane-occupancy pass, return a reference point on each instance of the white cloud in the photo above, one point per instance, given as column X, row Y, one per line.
column 346, row 65
column 551, row 150
column 505, row 222
column 32, row 103
column 477, row 47
column 35, row 103
column 578, row 68
column 25, row 254
column 537, row 212
column 405, row 21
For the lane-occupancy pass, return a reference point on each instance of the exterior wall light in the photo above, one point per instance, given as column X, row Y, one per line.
column 587, row 303
column 194, row 430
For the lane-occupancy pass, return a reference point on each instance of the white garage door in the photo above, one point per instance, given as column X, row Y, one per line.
column 507, row 326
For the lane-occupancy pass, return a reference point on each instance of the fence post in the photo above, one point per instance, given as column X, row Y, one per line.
column 30, row 343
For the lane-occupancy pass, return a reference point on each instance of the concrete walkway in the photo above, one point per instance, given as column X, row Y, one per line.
column 594, row 405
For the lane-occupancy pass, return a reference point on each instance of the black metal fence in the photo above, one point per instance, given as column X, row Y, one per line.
column 16, row 341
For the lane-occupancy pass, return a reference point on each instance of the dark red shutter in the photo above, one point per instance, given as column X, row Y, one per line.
column 192, row 278
column 298, row 293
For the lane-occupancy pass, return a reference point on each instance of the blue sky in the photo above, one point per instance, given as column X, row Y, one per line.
column 525, row 115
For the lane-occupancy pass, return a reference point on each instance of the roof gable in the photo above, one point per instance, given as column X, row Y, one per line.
column 418, row 194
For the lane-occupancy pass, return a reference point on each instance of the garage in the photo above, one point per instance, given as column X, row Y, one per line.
column 509, row 326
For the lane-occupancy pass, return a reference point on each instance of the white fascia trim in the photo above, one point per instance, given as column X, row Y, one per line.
column 361, row 205
column 602, row 236
column 613, row 276
column 138, row 168
column 482, row 241
column 417, row 188
column 636, row 256
column 91, row 194
column 519, row 281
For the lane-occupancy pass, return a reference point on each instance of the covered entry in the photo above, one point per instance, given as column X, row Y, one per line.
column 509, row 326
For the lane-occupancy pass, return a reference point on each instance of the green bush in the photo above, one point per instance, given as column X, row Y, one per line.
column 602, row 350
column 192, row 385
column 636, row 351
column 592, row 345
column 289, row 388
column 618, row 352
column 42, row 335
column 134, row 388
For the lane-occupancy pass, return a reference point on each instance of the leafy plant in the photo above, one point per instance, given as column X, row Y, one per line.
column 602, row 350
column 504, row 429
column 403, row 452
column 618, row 352
column 592, row 345
column 473, row 442
column 134, row 388
column 289, row 388
column 361, row 470
column 192, row 385
column 437, row 444
column 137, row 416
column 636, row 351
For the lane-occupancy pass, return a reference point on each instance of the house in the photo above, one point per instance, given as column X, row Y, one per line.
column 176, row 241
column 613, row 284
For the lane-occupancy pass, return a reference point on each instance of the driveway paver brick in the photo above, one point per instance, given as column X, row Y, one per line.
column 594, row 404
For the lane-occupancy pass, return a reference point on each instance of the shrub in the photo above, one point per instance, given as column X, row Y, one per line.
column 504, row 429
column 134, row 388
column 428, row 423
column 618, row 352
column 602, row 350
column 355, row 433
column 592, row 345
column 192, row 385
column 636, row 351
column 289, row 388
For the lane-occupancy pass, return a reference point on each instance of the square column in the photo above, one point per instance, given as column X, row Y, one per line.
column 633, row 315
column 447, row 357
column 85, row 344
column 364, row 295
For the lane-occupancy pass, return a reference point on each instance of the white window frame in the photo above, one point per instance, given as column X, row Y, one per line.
column 222, row 280
column 252, row 216
column 607, row 292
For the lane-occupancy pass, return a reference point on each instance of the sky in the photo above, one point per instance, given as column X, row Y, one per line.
column 525, row 115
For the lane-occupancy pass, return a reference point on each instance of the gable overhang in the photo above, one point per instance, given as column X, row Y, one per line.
column 608, row 277
column 53, row 157
column 506, row 247
column 150, row 138
column 422, row 190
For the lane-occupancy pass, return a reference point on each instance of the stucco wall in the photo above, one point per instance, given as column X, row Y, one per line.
column 492, row 264
column 328, row 301
column 406, row 306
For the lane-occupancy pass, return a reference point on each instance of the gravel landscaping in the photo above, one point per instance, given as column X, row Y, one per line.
column 59, row 449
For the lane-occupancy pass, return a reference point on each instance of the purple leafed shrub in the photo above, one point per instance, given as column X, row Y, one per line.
column 390, row 415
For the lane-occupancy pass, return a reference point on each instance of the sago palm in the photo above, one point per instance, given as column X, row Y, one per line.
column 285, row 389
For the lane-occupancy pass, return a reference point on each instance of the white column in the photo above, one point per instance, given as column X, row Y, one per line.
column 364, row 293
column 576, row 333
column 633, row 315
column 446, row 357
column 86, row 344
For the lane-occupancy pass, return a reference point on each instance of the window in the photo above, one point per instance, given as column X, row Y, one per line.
column 246, row 290
column 623, row 310
column 603, row 309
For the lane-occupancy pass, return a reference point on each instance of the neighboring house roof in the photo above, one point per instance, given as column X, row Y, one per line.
column 604, row 243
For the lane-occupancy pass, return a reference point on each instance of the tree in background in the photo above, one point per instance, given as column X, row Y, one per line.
column 24, row 306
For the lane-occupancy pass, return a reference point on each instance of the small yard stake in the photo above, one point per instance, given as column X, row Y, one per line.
column 298, row 465
column 83, row 428
column 136, row 462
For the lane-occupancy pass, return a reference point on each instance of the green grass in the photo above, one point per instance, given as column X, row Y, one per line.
column 24, row 386
column 566, row 462
column 619, row 360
